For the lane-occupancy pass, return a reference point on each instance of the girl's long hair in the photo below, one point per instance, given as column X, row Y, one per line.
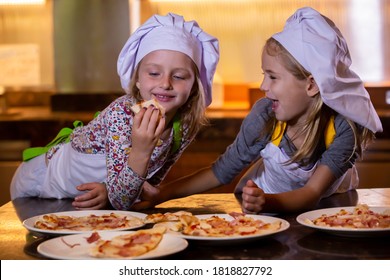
column 192, row 113
column 318, row 119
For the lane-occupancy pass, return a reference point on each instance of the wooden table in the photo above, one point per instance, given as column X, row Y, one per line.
column 298, row 242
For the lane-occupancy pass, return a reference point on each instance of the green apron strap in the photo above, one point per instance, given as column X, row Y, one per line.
column 30, row 153
column 177, row 133
column 62, row 136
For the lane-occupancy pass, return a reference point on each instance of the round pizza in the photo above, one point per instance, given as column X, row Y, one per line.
column 215, row 226
column 90, row 222
column 360, row 218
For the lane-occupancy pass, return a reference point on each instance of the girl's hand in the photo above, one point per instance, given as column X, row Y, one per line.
column 147, row 129
column 253, row 198
column 95, row 197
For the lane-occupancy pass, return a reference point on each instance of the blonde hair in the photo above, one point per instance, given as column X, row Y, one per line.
column 192, row 113
column 315, row 126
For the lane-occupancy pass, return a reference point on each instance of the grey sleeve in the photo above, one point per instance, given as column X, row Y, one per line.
column 339, row 157
column 247, row 145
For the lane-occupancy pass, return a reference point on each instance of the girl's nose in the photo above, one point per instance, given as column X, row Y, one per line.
column 263, row 86
column 166, row 83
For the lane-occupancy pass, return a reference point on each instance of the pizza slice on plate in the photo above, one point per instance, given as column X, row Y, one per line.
column 171, row 221
column 128, row 245
column 166, row 217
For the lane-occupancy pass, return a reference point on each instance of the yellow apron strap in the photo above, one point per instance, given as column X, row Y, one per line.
column 278, row 133
column 330, row 133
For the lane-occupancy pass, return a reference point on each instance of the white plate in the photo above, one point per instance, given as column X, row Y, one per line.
column 351, row 232
column 29, row 223
column 233, row 239
column 56, row 248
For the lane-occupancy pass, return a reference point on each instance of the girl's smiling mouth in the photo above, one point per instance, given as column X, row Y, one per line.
column 275, row 103
column 163, row 97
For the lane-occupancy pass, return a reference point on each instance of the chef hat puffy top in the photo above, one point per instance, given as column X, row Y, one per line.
column 171, row 32
column 318, row 45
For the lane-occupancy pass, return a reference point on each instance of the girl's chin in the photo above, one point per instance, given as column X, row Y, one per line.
column 280, row 117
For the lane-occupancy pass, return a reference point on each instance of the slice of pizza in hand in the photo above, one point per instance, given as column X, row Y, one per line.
column 145, row 104
column 128, row 245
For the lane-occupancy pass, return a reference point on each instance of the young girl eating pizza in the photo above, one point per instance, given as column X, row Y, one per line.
column 167, row 59
column 302, row 139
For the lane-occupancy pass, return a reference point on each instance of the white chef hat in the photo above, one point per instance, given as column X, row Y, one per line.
column 318, row 45
column 171, row 32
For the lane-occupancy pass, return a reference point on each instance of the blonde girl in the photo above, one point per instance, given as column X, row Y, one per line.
column 302, row 140
column 107, row 162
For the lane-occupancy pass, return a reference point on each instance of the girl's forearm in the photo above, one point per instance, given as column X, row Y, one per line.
column 200, row 181
column 303, row 198
column 139, row 162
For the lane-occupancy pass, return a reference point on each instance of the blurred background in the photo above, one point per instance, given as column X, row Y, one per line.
column 58, row 62
column 72, row 45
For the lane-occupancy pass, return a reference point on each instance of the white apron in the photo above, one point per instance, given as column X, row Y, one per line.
column 66, row 170
column 273, row 176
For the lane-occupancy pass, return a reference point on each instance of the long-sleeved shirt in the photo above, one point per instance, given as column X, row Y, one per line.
column 110, row 133
column 247, row 146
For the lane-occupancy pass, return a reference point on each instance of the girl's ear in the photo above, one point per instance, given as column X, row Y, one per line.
column 312, row 88
column 137, row 84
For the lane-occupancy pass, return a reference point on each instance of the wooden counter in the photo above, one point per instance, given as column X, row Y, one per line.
column 296, row 243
